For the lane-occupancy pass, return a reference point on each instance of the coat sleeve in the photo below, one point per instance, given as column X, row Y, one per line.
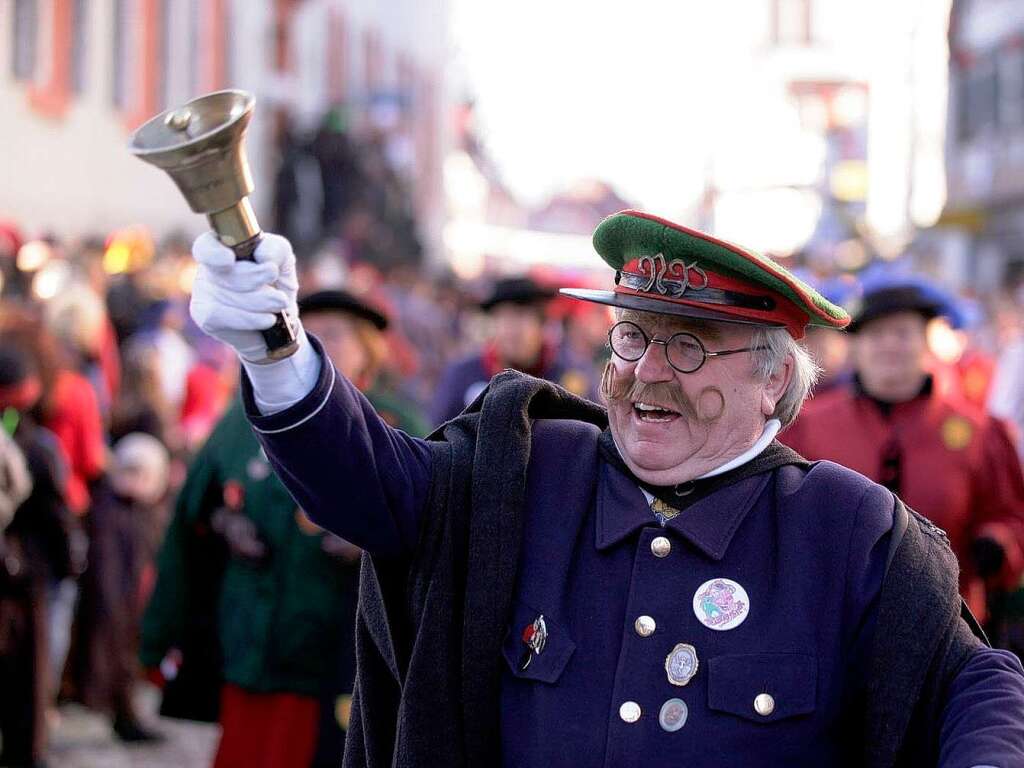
column 983, row 720
column 1001, row 497
column 351, row 473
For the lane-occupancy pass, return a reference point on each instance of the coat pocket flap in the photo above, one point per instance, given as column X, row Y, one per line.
column 785, row 682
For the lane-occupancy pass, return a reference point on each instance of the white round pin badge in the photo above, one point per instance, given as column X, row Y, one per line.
column 721, row 604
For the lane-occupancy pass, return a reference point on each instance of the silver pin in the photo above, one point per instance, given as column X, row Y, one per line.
column 681, row 664
column 535, row 636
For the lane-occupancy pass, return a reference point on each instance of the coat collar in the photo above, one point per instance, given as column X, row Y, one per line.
column 708, row 524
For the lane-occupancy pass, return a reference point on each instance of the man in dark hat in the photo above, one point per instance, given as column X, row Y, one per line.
column 950, row 462
column 516, row 308
column 660, row 584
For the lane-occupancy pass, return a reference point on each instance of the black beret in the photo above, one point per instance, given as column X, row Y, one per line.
column 890, row 300
column 516, row 290
column 337, row 300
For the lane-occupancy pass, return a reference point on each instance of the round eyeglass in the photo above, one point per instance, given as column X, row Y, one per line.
column 684, row 351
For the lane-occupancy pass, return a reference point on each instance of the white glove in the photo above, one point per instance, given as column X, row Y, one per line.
column 234, row 300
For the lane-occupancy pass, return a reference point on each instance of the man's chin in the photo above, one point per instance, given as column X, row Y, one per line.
column 651, row 465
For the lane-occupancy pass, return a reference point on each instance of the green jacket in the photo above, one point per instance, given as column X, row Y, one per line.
column 286, row 624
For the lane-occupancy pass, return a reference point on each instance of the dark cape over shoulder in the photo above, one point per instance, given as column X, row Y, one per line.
column 430, row 629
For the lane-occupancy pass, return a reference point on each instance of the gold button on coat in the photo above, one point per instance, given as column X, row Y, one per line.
column 764, row 704
column 645, row 626
column 629, row 711
column 661, row 546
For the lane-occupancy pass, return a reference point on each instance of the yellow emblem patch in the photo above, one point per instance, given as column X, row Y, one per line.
column 957, row 433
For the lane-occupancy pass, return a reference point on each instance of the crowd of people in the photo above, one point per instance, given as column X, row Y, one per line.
column 143, row 533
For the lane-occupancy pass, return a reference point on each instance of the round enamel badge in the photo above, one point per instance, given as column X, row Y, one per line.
column 721, row 604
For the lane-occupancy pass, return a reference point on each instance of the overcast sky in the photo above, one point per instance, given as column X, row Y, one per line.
column 620, row 91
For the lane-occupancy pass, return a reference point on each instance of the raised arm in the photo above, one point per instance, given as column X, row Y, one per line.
column 349, row 471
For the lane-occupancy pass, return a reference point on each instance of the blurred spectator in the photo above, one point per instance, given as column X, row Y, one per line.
column 516, row 308
column 12, row 280
column 161, row 331
column 77, row 316
column 1006, row 398
column 35, row 554
column 340, row 171
column 208, row 389
column 68, row 406
column 143, row 405
column 127, row 257
column 284, row 596
column 946, row 459
column 121, row 527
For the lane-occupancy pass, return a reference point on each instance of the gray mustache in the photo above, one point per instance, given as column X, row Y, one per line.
column 626, row 387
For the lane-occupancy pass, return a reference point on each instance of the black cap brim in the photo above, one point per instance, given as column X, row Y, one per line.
column 341, row 301
column 646, row 304
column 891, row 301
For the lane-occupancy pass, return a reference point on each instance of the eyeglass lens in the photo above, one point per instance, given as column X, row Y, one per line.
column 684, row 351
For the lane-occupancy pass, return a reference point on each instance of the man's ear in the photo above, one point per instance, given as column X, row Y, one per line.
column 776, row 385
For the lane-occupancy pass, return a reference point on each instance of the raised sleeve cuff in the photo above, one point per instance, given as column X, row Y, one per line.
column 302, row 410
column 283, row 383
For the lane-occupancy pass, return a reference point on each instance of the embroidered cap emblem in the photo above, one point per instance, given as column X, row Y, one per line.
column 675, row 277
column 681, row 664
column 721, row 604
column 534, row 636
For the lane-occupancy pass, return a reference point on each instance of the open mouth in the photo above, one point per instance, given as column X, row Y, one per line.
column 653, row 413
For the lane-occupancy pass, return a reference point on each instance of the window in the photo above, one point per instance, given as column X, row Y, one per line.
column 1011, row 88
column 121, row 50
column 79, row 35
column 978, row 99
column 791, row 22
column 26, row 37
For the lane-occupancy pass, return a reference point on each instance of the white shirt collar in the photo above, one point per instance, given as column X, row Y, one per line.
column 771, row 429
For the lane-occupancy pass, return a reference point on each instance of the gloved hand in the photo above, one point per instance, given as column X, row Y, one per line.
column 233, row 301
column 988, row 556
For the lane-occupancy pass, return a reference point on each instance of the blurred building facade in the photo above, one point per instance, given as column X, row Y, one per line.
column 983, row 223
column 76, row 76
column 832, row 133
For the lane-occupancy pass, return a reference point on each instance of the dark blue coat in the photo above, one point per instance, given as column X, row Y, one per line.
column 808, row 546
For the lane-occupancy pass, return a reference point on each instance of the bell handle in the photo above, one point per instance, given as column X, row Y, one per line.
column 280, row 337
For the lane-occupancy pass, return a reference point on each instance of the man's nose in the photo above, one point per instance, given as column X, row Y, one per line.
column 653, row 366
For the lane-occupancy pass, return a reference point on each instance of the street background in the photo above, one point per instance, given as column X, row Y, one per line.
column 416, row 152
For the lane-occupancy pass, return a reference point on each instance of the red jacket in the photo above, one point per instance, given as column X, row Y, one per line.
column 950, row 462
column 76, row 422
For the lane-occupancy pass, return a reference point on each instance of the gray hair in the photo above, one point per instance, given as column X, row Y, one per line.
column 777, row 346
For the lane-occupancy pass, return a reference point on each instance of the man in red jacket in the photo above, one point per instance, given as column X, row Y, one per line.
column 946, row 459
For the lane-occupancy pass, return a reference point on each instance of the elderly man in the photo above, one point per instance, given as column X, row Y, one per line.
column 678, row 589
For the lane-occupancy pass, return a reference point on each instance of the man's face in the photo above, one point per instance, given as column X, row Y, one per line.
column 704, row 418
column 890, row 355
column 518, row 333
column 341, row 341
